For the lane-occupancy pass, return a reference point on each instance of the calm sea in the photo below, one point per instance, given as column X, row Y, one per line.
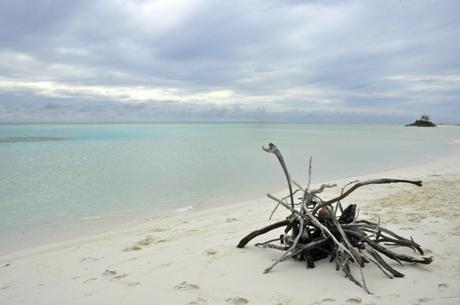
column 61, row 172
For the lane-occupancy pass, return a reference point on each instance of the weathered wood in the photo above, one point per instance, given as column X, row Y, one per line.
column 256, row 233
column 274, row 150
column 360, row 184
column 316, row 229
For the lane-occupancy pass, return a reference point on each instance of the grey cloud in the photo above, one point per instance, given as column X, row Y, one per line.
column 336, row 56
column 35, row 109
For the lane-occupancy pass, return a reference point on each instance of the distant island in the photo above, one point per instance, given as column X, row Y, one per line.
column 424, row 121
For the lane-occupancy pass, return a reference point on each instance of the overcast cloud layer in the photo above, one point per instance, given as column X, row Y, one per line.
column 334, row 61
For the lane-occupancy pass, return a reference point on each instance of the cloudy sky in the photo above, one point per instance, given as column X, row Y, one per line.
column 194, row 60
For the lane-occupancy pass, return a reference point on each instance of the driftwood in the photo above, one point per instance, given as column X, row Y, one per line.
column 317, row 228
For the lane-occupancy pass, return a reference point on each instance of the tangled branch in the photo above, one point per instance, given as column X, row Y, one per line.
column 316, row 229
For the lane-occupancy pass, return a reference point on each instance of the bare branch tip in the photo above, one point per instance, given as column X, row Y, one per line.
column 270, row 149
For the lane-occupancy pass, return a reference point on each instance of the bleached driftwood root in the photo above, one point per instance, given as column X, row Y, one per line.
column 317, row 228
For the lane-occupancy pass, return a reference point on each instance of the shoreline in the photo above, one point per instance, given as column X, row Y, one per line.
column 67, row 230
column 56, row 214
column 191, row 257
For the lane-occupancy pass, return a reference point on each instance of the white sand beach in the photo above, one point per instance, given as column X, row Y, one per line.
column 190, row 257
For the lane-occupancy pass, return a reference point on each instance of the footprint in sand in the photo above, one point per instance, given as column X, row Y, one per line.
column 424, row 300
column 327, row 300
column 145, row 242
column 118, row 277
column 114, row 277
column 138, row 245
column 90, row 280
column 133, row 248
column 157, row 230
column 232, row 219
column 89, row 259
column 109, row 272
column 186, row 286
column 198, row 301
column 211, row 252
column 192, row 231
column 355, row 300
column 237, row 301
column 442, row 285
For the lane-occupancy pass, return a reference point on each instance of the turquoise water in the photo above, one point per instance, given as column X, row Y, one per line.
column 57, row 172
